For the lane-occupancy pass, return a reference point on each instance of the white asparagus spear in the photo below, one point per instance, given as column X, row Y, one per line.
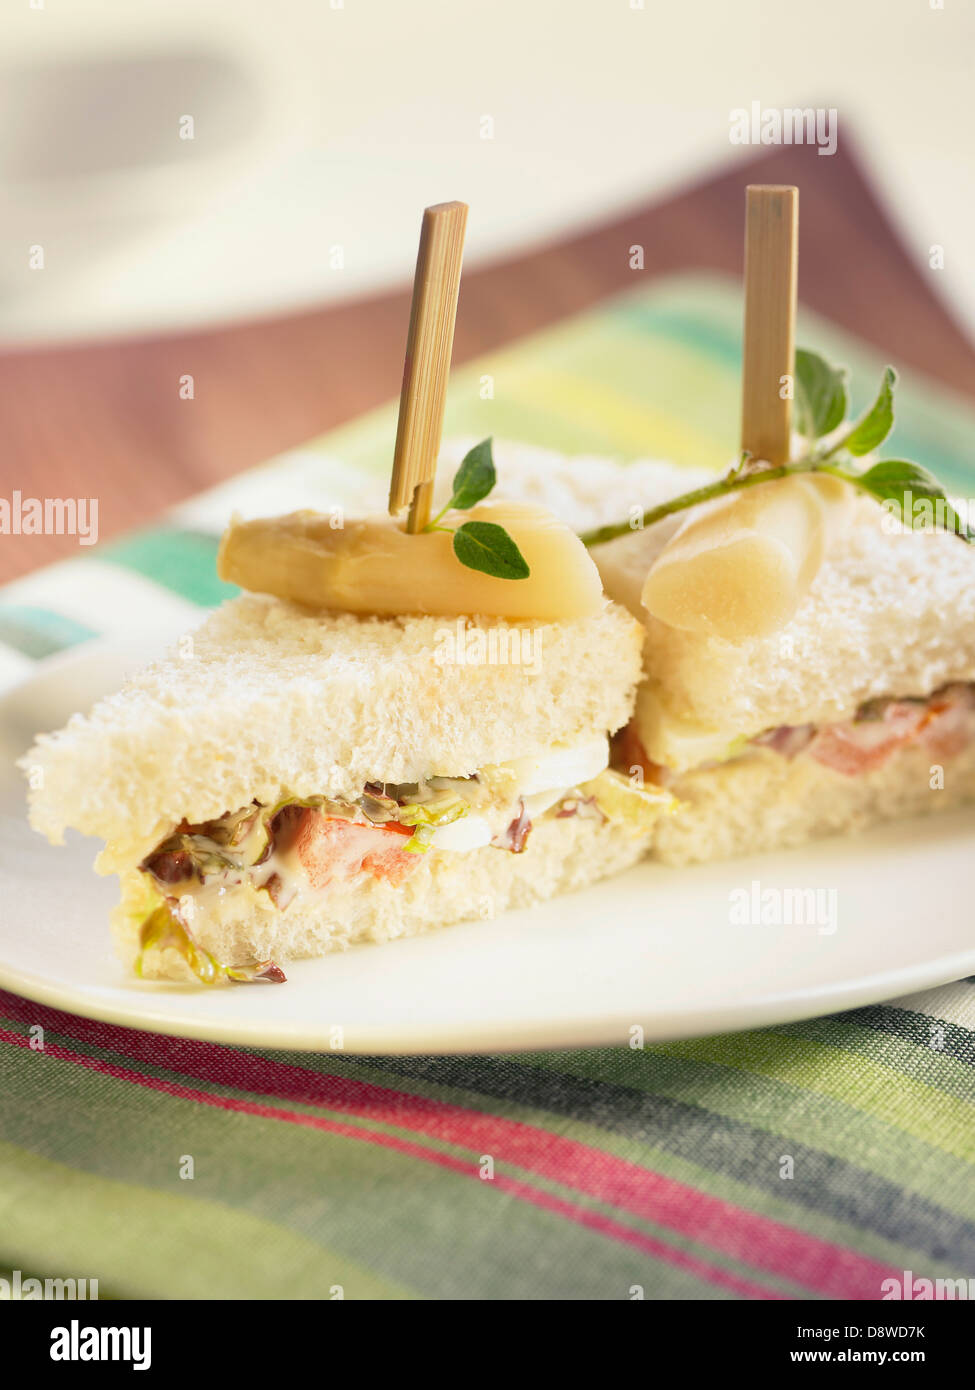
column 374, row 566
column 740, row 566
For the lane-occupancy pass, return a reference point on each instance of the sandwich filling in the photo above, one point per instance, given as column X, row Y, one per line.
column 943, row 722
column 305, row 845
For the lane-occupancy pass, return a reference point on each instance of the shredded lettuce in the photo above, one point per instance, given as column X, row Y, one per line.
column 425, row 816
column 165, row 928
column 622, row 801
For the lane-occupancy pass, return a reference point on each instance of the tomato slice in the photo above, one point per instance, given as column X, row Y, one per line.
column 329, row 849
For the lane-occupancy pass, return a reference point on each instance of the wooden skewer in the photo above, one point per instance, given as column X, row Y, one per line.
column 428, row 347
column 771, row 274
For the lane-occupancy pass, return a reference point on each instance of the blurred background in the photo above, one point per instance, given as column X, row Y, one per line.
column 192, row 171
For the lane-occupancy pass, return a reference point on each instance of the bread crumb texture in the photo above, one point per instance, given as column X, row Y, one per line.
column 278, row 701
column 764, row 801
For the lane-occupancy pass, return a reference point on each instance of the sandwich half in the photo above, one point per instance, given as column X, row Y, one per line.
column 859, row 709
column 293, row 781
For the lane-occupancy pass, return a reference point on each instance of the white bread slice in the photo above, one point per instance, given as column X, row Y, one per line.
column 276, row 701
column 242, row 926
column 764, row 801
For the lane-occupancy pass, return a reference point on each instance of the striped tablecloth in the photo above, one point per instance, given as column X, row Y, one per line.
column 819, row 1159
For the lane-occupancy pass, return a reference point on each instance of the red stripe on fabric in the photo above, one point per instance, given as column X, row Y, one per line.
column 607, row 1226
column 604, row 1225
column 833, row 1270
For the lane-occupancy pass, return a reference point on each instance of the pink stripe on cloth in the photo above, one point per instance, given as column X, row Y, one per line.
column 595, row 1221
column 833, row 1270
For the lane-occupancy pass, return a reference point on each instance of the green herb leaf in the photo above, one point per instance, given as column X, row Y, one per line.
column 485, row 546
column 821, row 394
column 902, row 483
column 474, row 478
column 872, row 429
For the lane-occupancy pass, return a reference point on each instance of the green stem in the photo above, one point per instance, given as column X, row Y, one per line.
column 824, row 455
column 719, row 488
column 432, row 523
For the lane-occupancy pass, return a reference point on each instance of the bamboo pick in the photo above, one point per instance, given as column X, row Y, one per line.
column 771, row 274
column 429, row 342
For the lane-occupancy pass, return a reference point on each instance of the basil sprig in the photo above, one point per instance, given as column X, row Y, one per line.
column 822, row 400
column 480, row 545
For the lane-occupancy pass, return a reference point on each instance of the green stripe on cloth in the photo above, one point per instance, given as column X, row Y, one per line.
column 925, row 1030
column 198, row 1242
column 182, row 561
column 38, row 632
column 910, row 1106
column 922, row 1063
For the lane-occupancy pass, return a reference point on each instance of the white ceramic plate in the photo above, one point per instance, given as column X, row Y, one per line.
column 654, row 948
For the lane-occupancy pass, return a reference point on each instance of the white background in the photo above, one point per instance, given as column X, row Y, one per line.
column 318, row 126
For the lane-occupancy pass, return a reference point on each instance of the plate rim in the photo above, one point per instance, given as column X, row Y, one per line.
column 793, row 1006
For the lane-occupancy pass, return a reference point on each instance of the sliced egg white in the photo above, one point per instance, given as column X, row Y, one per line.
column 560, row 766
column 541, row 802
column 539, row 781
column 470, row 832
